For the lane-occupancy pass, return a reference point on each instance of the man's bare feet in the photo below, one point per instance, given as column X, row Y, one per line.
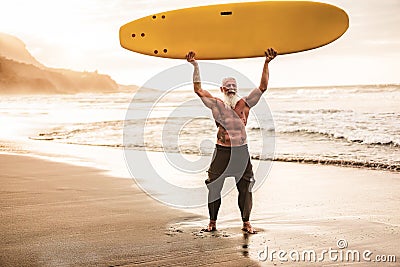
column 211, row 227
column 248, row 228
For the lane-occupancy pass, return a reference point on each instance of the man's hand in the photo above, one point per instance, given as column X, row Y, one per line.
column 270, row 54
column 190, row 57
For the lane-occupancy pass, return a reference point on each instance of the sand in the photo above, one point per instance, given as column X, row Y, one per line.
column 55, row 214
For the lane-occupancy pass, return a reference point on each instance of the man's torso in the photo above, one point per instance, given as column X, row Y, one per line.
column 231, row 123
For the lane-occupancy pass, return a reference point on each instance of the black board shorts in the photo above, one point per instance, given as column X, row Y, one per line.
column 231, row 161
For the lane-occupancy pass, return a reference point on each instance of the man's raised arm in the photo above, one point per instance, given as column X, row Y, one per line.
column 205, row 96
column 255, row 95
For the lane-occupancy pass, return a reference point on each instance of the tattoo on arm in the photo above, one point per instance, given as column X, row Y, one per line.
column 196, row 74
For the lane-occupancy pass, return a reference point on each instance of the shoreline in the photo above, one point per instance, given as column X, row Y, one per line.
column 35, row 148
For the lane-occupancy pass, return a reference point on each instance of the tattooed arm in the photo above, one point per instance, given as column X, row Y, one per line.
column 205, row 96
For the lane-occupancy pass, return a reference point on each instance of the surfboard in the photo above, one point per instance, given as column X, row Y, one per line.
column 236, row 30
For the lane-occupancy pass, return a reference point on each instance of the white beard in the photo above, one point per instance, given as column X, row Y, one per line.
column 231, row 101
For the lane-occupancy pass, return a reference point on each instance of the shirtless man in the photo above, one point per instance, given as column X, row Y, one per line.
column 231, row 156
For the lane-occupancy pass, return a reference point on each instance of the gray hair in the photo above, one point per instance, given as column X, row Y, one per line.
column 225, row 80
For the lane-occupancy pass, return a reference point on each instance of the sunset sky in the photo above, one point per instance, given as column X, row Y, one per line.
column 83, row 35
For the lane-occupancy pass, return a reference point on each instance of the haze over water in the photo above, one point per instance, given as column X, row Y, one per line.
column 356, row 125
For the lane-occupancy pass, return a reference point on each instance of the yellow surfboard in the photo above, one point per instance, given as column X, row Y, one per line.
column 237, row 30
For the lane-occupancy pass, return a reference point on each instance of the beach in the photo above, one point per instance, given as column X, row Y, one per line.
column 83, row 180
column 54, row 214
column 104, row 153
column 57, row 214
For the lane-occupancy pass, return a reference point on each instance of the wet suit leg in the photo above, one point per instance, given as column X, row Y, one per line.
column 244, row 187
column 214, row 197
column 245, row 199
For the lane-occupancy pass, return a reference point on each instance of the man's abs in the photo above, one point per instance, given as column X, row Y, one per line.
column 232, row 137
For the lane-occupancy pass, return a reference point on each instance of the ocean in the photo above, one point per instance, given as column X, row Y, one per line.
column 357, row 126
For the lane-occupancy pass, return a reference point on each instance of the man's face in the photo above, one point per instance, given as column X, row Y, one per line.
column 229, row 87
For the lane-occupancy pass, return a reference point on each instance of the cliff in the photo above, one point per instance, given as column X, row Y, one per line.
column 21, row 73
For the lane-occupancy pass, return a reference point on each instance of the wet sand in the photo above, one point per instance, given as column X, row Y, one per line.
column 55, row 214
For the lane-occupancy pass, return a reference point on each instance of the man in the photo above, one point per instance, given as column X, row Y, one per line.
column 231, row 156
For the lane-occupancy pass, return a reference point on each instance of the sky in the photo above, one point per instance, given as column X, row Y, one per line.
column 83, row 35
